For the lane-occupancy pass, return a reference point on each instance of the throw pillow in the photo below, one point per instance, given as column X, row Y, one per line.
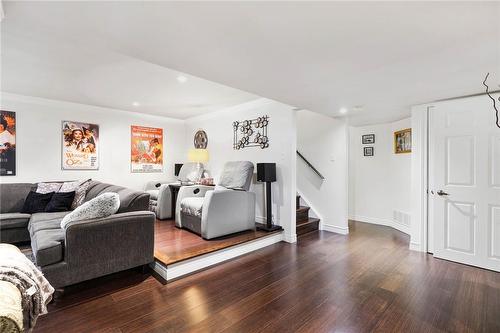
column 79, row 187
column 60, row 202
column 103, row 205
column 48, row 187
column 36, row 202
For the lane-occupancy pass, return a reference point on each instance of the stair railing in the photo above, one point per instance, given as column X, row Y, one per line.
column 311, row 166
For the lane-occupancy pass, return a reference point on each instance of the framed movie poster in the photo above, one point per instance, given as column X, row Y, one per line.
column 80, row 146
column 146, row 151
column 7, row 143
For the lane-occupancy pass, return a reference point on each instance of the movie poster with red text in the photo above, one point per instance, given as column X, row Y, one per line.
column 146, row 149
column 7, row 143
column 80, row 146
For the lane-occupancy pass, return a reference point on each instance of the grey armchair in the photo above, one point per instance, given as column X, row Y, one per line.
column 227, row 209
column 160, row 194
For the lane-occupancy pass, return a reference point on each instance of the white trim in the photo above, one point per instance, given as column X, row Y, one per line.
column 311, row 207
column 189, row 266
column 415, row 247
column 335, row 229
column 290, row 238
column 385, row 222
column 419, row 176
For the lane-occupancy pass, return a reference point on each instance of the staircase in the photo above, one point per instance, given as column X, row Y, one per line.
column 305, row 223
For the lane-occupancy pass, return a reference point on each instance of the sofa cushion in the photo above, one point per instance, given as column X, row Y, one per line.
column 36, row 202
column 192, row 206
column 104, row 205
column 44, row 225
column 237, row 175
column 80, row 188
column 48, row 187
column 130, row 200
column 60, row 202
column 13, row 196
column 47, row 216
column 14, row 220
column 48, row 246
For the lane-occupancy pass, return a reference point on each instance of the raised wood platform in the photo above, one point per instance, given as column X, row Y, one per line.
column 173, row 245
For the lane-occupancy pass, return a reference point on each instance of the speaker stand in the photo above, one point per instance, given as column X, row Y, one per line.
column 269, row 226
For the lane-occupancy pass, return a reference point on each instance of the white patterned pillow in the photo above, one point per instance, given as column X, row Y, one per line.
column 48, row 187
column 103, row 205
column 80, row 187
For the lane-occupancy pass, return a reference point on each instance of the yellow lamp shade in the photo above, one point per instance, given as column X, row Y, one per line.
column 198, row 155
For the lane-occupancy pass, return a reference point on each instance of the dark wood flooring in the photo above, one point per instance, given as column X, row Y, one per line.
column 173, row 244
column 367, row 281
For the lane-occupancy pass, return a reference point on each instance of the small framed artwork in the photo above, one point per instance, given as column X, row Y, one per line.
column 368, row 151
column 402, row 141
column 368, row 139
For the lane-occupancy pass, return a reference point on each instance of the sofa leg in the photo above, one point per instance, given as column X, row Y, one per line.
column 145, row 269
column 58, row 293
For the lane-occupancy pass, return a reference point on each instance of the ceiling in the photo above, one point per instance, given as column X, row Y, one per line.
column 375, row 59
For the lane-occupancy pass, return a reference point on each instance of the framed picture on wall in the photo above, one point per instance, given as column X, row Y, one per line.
column 7, row 143
column 368, row 151
column 146, row 149
column 402, row 141
column 368, row 139
column 80, row 146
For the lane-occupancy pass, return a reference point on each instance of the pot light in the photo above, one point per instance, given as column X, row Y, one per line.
column 181, row 78
column 343, row 111
column 136, row 104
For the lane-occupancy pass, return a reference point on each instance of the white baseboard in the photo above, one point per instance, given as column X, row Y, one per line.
column 333, row 228
column 416, row 247
column 290, row 238
column 385, row 222
column 189, row 266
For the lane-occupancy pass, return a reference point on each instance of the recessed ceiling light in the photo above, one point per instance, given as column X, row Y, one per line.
column 136, row 104
column 181, row 78
column 343, row 111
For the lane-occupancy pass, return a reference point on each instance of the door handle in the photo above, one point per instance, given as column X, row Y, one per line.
column 441, row 193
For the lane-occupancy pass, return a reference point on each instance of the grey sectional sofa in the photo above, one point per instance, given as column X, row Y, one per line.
column 83, row 250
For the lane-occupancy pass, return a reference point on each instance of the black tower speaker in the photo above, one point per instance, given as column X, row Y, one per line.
column 266, row 172
column 177, row 169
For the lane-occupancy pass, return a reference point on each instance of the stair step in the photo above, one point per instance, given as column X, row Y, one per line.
column 297, row 201
column 303, row 227
column 302, row 213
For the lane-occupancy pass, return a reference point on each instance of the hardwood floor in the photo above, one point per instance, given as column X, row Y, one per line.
column 367, row 281
column 173, row 244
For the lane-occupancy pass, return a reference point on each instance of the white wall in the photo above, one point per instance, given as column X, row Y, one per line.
column 323, row 141
column 282, row 136
column 38, row 141
column 379, row 185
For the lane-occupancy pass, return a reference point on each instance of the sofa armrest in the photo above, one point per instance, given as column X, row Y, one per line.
column 151, row 185
column 186, row 192
column 225, row 212
column 120, row 240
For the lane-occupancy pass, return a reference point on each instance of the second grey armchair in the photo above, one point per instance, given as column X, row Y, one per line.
column 227, row 209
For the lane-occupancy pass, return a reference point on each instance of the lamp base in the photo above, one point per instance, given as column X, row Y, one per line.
column 264, row 227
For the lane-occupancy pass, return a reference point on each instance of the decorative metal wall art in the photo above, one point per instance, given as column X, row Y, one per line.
column 251, row 133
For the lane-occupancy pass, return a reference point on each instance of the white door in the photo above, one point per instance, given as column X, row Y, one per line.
column 464, row 182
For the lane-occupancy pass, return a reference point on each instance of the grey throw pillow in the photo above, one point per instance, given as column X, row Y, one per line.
column 103, row 205
column 80, row 188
